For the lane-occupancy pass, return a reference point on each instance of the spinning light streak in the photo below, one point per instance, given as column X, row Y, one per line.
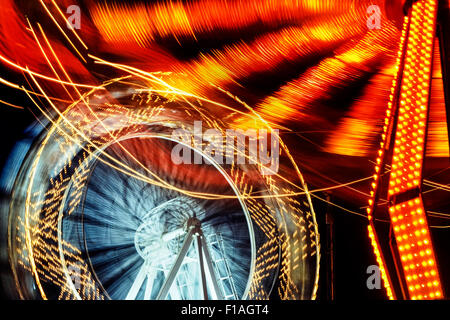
column 147, row 23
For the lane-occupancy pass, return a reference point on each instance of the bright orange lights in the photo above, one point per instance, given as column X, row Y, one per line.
column 388, row 119
column 380, row 262
column 406, row 208
column 415, row 249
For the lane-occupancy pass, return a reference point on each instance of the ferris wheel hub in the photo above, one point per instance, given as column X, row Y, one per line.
column 193, row 223
column 160, row 230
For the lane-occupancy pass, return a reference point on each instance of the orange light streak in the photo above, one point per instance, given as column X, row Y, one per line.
column 146, row 23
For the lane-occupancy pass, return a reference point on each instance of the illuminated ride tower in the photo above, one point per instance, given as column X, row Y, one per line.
column 407, row 259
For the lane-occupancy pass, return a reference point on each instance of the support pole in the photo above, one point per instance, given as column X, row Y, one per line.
column 176, row 267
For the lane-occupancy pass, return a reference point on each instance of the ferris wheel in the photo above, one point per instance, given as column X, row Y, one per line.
column 102, row 212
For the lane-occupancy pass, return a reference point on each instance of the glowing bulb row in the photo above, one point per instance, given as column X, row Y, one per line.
column 378, row 166
column 408, row 217
column 415, row 249
column 380, row 262
column 387, row 121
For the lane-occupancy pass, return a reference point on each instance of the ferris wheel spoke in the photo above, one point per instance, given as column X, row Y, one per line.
column 173, row 292
column 176, row 267
column 137, row 284
column 149, row 286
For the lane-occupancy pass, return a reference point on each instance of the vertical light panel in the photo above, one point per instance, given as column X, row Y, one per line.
column 406, row 207
column 408, row 112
